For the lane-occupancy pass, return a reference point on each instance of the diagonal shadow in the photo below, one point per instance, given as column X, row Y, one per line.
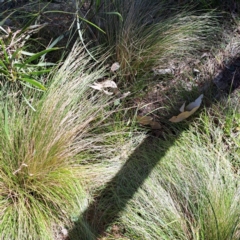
column 108, row 205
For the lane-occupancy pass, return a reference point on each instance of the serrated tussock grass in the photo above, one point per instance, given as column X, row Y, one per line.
column 152, row 33
column 193, row 192
column 40, row 182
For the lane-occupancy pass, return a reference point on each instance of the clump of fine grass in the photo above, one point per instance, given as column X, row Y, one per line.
column 193, row 189
column 192, row 193
column 40, row 182
column 145, row 34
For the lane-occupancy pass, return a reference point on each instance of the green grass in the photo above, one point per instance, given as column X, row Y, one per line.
column 69, row 147
column 160, row 33
column 41, row 150
column 183, row 187
column 192, row 191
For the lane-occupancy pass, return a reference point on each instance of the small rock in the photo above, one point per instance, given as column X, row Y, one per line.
column 115, row 67
column 163, row 71
column 196, row 70
column 64, row 232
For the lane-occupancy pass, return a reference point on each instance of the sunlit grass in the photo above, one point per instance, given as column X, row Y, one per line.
column 41, row 150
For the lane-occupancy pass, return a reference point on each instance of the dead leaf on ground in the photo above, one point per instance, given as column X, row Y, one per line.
column 155, row 125
column 163, row 71
column 144, row 120
column 126, row 94
column 182, row 107
column 115, row 67
column 147, row 120
column 195, row 104
column 100, row 86
column 187, row 111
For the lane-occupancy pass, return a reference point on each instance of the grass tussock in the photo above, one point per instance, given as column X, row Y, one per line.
column 63, row 160
column 160, row 32
column 40, row 180
column 192, row 192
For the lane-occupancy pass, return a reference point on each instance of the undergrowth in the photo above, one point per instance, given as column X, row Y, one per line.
column 69, row 150
column 162, row 31
column 192, row 191
column 40, row 179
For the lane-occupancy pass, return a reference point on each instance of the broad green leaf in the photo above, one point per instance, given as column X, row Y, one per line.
column 29, row 104
column 35, row 73
column 98, row 3
column 33, row 82
column 45, row 64
column 3, row 29
column 15, row 54
column 19, row 65
column 6, row 73
column 41, row 64
column 57, row 11
column 81, row 38
column 37, row 55
column 58, row 39
column 27, row 53
column 29, row 23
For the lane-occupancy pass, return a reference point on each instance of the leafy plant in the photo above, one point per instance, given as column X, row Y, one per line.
column 17, row 65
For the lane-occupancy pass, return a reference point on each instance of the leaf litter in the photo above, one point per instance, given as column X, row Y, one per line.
column 187, row 111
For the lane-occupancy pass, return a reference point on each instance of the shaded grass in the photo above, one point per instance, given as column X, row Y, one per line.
column 191, row 190
column 160, row 32
column 193, row 193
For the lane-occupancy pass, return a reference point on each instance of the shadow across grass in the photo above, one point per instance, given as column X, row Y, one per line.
column 103, row 212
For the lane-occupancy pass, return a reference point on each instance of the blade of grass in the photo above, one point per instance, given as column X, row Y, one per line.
column 33, row 82
column 6, row 126
column 37, row 55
